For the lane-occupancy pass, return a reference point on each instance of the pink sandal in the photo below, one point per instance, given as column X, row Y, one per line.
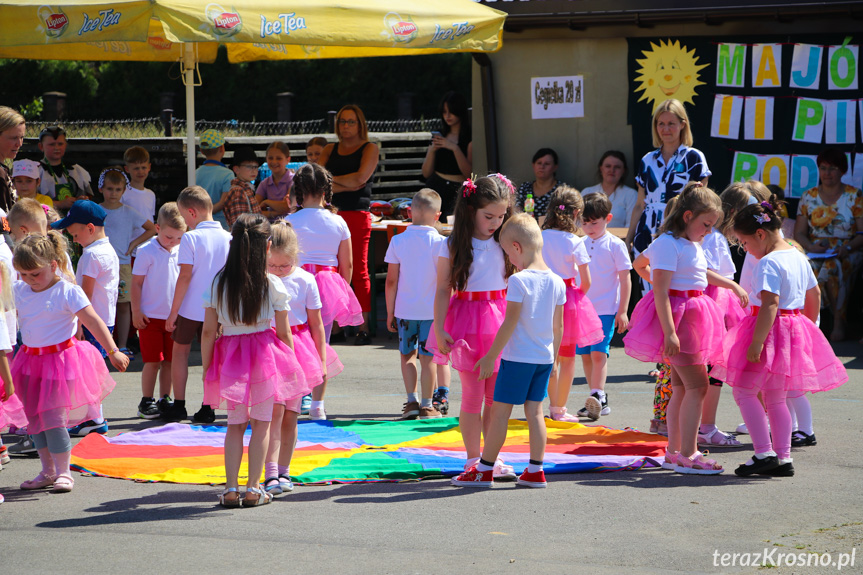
column 41, row 481
column 696, row 464
column 560, row 414
column 63, row 484
column 670, row 460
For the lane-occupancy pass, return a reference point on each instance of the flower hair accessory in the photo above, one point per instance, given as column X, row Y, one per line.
column 762, row 218
column 561, row 207
column 45, row 209
column 469, row 188
column 506, row 181
column 106, row 170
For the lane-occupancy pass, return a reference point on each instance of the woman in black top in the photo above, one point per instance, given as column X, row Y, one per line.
column 352, row 162
column 11, row 139
column 449, row 159
column 544, row 184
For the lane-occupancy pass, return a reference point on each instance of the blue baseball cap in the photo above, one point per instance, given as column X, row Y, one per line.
column 82, row 212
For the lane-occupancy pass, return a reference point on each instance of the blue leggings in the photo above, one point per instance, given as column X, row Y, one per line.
column 57, row 440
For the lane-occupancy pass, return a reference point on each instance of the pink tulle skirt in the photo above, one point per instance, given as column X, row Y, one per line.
column 340, row 303
column 61, row 389
column 472, row 326
column 12, row 413
column 729, row 303
column 698, row 321
column 253, row 368
column 310, row 361
column 796, row 356
column 581, row 325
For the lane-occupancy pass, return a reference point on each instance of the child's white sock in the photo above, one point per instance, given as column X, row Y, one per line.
column 803, row 410
column 317, row 404
column 600, row 393
column 480, row 466
column 534, row 467
column 413, row 398
column 426, row 402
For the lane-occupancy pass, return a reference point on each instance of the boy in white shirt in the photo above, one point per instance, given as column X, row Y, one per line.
column 609, row 292
column 410, row 289
column 528, row 342
column 203, row 251
column 98, row 274
column 154, row 277
column 121, row 226
column 138, row 196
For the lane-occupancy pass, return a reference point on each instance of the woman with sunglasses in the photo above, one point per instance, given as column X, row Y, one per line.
column 11, row 139
column 352, row 161
column 65, row 185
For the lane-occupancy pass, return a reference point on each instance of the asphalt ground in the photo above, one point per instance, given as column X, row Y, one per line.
column 647, row 521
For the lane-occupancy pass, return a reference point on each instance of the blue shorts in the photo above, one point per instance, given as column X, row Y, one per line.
column 519, row 382
column 89, row 337
column 413, row 334
column 604, row 345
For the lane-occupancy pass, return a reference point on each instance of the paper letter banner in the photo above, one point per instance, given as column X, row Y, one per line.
column 731, row 62
column 854, row 175
column 804, row 175
column 809, row 121
column 842, row 61
column 766, row 69
column 726, row 116
column 758, row 120
column 774, row 170
column 745, row 167
column 806, row 66
column 841, row 121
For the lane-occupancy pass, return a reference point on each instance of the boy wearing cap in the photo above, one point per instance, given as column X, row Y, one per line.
column 98, row 274
column 26, row 175
column 213, row 175
column 241, row 197
column 64, row 184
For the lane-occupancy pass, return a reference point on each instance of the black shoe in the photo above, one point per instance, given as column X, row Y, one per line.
column 164, row 405
column 363, row 338
column 148, row 409
column 784, row 470
column 758, row 466
column 338, row 337
column 801, row 439
column 176, row 413
column 440, row 401
column 204, row 415
column 24, row 447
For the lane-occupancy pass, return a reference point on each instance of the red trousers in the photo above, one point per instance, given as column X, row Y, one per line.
column 360, row 226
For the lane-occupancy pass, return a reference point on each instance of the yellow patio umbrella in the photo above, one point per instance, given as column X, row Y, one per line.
column 190, row 32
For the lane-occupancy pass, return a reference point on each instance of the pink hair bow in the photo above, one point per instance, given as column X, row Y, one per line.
column 506, row 181
column 469, row 187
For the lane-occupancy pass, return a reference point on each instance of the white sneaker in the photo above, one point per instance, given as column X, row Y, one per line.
column 317, row 414
column 742, row 429
column 503, row 471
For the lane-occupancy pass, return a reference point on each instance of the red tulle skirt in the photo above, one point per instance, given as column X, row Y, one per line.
column 581, row 325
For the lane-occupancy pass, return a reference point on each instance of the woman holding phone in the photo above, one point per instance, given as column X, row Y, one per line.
column 449, row 159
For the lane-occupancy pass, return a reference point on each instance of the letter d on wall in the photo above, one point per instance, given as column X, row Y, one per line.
column 804, row 174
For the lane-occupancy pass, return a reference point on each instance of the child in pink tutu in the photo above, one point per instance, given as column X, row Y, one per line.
column 251, row 367
column 318, row 360
column 11, row 409
column 470, row 302
column 778, row 350
column 566, row 256
column 325, row 243
column 61, row 381
column 674, row 323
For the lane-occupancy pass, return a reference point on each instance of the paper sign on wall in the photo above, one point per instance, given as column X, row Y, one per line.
column 758, row 121
column 557, row 97
column 726, row 116
column 842, row 65
column 766, row 65
column 841, row 121
column 806, row 66
column 809, row 121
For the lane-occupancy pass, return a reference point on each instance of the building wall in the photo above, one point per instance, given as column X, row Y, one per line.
column 599, row 54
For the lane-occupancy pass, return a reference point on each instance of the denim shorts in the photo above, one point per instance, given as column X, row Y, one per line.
column 413, row 334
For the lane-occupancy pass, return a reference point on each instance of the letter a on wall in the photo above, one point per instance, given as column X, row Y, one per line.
column 766, row 69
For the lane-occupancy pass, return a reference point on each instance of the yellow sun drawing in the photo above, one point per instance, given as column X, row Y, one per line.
column 668, row 71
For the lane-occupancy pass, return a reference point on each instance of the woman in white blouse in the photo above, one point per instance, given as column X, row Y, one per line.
column 612, row 173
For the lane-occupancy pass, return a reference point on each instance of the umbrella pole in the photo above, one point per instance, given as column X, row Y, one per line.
column 189, row 81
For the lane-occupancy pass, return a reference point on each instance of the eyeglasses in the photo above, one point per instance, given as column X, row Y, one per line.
column 828, row 168
column 280, row 268
column 348, row 122
column 53, row 131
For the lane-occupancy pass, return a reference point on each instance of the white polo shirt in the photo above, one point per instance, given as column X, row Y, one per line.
column 415, row 250
column 100, row 261
column 160, row 270
column 206, row 249
column 608, row 257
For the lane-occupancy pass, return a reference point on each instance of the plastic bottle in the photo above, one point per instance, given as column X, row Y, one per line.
column 528, row 204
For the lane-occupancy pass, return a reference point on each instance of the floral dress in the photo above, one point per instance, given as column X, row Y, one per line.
column 834, row 225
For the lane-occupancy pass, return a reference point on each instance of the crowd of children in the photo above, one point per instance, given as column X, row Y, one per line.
column 507, row 304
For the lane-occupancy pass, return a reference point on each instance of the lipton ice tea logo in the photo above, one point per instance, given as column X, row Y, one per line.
column 55, row 21
column 226, row 23
column 400, row 29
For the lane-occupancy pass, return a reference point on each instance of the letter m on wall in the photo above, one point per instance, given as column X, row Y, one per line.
column 730, row 65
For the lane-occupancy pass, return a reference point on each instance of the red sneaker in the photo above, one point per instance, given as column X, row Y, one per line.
column 529, row 479
column 473, row 478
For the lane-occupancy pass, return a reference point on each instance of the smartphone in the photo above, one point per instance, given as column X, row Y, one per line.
column 436, row 133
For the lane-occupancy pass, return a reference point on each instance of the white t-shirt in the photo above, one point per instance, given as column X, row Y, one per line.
column 718, row 254
column 622, row 202
column 608, row 257
column 5, row 340
column 48, row 317
column 121, row 225
column 681, row 256
column 11, row 320
column 206, row 249
column 303, row 293
column 488, row 270
column 786, row 273
column 415, row 250
column 319, row 232
column 160, row 270
column 539, row 292
column 749, row 263
column 278, row 301
column 47, row 185
column 143, row 202
column 99, row 261
column 563, row 252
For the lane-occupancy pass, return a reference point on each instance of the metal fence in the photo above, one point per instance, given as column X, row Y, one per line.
column 155, row 127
